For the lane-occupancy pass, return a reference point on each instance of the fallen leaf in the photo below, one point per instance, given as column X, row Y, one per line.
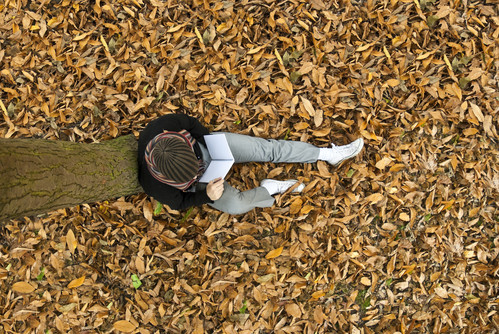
column 148, row 211
column 425, row 55
column 124, row 326
column 383, row 162
column 470, row 132
column 242, row 95
column 176, row 28
column 66, row 308
column 288, row 85
column 308, row 106
column 321, row 133
column 76, row 282
column 404, row 217
column 389, row 227
column 265, row 278
column 477, row 112
column 392, row 82
column 374, row 198
column 274, row 253
column 71, row 241
column 441, row 292
column 293, row 310
column 363, row 47
column 318, row 294
column 411, row 101
column 318, row 118
column 306, row 209
column 301, row 126
column 365, row 281
column 295, row 206
column 257, row 49
column 23, row 287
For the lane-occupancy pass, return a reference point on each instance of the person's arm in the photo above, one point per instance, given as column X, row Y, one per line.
column 179, row 200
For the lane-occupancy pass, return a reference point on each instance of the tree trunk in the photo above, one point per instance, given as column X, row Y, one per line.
column 37, row 175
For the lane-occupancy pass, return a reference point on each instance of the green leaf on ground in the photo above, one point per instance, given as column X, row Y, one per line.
column 41, row 274
column 136, row 282
column 158, row 208
column 350, row 172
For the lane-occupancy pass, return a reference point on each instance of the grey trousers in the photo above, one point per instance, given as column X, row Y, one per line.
column 254, row 149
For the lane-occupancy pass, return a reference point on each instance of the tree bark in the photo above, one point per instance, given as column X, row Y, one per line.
column 38, row 175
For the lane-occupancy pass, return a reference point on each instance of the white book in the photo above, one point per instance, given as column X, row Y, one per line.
column 221, row 157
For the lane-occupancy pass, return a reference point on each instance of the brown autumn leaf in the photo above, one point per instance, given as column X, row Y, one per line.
column 365, row 281
column 308, row 106
column 71, row 241
column 274, row 253
column 306, row 68
column 319, row 316
column 293, row 310
column 441, row 292
column 432, row 112
column 306, row 209
column 435, row 276
column 383, row 162
column 23, row 287
column 143, row 103
column 296, row 206
column 66, row 308
column 389, row 226
column 374, row 198
column 477, row 112
column 275, row 172
column 404, row 217
column 321, row 133
column 392, row 82
column 140, row 265
column 124, row 326
column 411, row 101
column 76, row 282
column 148, row 210
column 242, row 95
column 364, row 47
column 318, row 118
column 301, row 126
column 470, row 132
column 288, row 85
column 318, row 294
column 323, row 169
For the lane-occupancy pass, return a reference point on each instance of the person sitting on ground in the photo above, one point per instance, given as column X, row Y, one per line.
column 172, row 155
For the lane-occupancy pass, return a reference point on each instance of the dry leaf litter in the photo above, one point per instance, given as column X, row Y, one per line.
column 402, row 239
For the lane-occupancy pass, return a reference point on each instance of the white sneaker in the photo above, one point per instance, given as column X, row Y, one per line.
column 280, row 187
column 337, row 154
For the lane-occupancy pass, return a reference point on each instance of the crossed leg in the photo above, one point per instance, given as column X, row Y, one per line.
column 254, row 149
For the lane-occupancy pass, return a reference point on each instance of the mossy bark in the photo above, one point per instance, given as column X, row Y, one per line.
column 38, row 176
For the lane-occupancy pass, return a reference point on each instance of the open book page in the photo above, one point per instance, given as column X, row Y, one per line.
column 221, row 157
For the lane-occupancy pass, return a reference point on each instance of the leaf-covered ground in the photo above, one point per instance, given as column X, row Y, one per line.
column 402, row 239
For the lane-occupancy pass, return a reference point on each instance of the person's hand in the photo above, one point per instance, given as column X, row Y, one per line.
column 215, row 189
